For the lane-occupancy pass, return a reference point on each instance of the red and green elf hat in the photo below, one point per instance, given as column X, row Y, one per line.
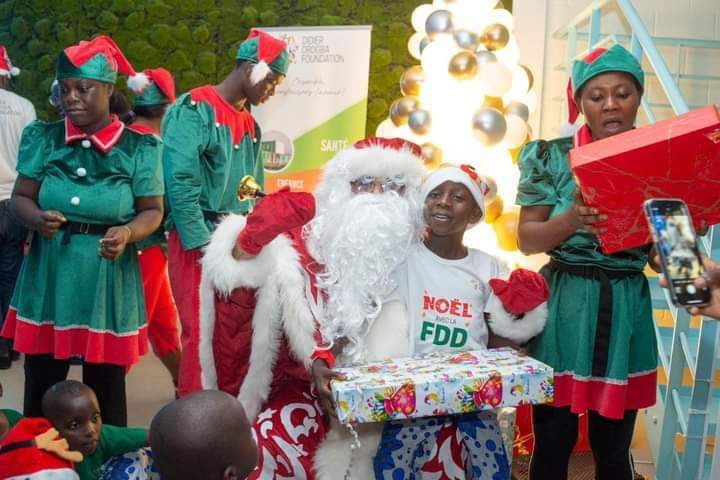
column 156, row 87
column 6, row 67
column 597, row 62
column 269, row 54
column 98, row 59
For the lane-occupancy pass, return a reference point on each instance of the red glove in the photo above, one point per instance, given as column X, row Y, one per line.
column 522, row 292
column 276, row 213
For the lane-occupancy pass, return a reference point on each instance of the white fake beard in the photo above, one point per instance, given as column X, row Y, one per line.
column 359, row 242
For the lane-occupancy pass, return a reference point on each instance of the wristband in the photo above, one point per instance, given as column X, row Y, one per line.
column 326, row 355
column 129, row 230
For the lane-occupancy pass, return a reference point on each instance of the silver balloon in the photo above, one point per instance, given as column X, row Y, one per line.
column 466, row 39
column 419, row 122
column 440, row 21
column 483, row 57
column 489, row 126
column 424, row 43
column 519, row 109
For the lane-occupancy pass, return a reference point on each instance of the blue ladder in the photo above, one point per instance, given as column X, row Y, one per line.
column 687, row 411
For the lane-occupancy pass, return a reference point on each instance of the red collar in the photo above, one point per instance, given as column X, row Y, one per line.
column 104, row 139
column 240, row 122
column 143, row 129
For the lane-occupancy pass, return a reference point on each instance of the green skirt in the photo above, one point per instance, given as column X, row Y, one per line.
column 627, row 376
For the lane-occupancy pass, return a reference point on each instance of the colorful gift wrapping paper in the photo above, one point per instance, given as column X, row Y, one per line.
column 440, row 384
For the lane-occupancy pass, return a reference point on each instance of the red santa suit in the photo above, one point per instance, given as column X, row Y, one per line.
column 258, row 324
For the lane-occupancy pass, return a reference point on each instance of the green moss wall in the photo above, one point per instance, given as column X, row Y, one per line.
column 195, row 39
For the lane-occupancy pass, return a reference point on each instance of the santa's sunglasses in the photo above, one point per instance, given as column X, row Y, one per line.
column 368, row 183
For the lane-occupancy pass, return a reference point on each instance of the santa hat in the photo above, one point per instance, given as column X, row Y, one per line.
column 464, row 174
column 98, row 59
column 597, row 62
column 518, row 310
column 6, row 66
column 154, row 86
column 377, row 157
column 269, row 54
column 32, row 451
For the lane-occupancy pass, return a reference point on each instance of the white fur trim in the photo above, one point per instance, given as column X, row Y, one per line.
column 521, row 330
column 259, row 72
column 335, row 456
column 138, row 83
column 48, row 474
column 281, row 307
column 14, row 71
column 375, row 161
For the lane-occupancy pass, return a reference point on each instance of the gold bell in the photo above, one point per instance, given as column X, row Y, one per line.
column 249, row 189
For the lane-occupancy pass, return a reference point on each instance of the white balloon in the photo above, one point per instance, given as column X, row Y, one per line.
column 386, row 129
column 520, row 84
column 436, row 58
column 503, row 17
column 516, row 133
column 510, row 55
column 419, row 16
column 414, row 44
column 495, row 78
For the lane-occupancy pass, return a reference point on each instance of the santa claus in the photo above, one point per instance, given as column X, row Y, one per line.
column 260, row 306
column 278, row 285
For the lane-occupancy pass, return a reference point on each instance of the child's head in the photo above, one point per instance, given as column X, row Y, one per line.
column 454, row 199
column 204, row 436
column 73, row 410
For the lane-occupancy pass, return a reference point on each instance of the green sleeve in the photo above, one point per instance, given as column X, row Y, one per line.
column 32, row 154
column 537, row 183
column 119, row 440
column 12, row 416
column 148, row 178
column 185, row 138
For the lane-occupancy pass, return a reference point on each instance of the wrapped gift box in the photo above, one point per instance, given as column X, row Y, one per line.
column 440, row 384
column 675, row 158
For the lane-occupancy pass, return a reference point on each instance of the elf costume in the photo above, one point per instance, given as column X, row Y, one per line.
column 70, row 301
column 161, row 311
column 209, row 147
column 599, row 337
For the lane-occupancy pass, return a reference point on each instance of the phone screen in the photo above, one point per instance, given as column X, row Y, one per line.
column 677, row 246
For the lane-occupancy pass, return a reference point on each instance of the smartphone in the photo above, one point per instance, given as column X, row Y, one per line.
column 677, row 245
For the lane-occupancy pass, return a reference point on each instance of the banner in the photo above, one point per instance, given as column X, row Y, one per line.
column 319, row 109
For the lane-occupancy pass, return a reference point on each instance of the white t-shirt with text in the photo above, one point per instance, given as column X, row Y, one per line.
column 16, row 113
column 445, row 299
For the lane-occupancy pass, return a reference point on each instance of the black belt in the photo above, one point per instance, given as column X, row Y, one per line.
column 77, row 228
column 601, row 350
column 213, row 216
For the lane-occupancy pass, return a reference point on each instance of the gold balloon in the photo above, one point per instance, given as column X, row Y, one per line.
column 493, row 209
column 431, row 155
column 495, row 36
column 463, row 65
column 515, row 154
column 506, row 227
column 411, row 80
column 494, row 102
column 531, row 79
column 401, row 108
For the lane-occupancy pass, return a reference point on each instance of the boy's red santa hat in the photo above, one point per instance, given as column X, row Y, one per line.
column 32, row 450
column 6, row 67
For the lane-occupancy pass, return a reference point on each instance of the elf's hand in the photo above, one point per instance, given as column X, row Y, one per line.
column 585, row 218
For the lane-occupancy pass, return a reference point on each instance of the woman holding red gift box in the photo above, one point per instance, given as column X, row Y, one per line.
column 599, row 337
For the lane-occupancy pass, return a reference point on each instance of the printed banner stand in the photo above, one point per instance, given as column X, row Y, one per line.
column 320, row 108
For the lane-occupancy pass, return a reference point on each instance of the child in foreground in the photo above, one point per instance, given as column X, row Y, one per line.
column 205, row 436
column 443, row 270
column 72, row 409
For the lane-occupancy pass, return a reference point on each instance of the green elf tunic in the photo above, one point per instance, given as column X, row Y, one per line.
column 69, row 300
column 209, row 147
column 599, row 338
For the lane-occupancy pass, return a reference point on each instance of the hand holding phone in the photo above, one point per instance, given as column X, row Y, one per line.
column 677, row 246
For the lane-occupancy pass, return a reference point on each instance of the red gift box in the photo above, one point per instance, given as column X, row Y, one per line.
column 675, row 158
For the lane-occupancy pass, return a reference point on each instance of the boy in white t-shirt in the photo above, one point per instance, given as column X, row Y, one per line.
column 445, row 287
